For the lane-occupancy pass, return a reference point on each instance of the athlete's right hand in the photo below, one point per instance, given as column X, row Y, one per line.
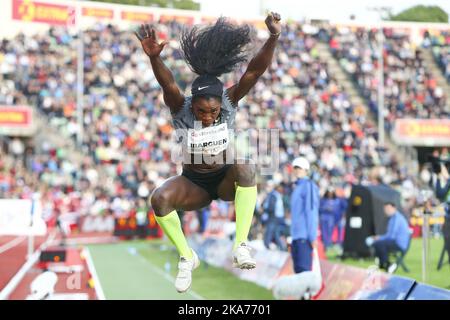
column 147, row 37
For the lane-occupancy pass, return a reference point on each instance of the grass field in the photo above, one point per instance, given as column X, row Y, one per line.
column 136, row 270
column 413, row 261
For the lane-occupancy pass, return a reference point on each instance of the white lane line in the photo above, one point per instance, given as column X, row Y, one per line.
column 9, row 245
column 12, row 284
column 97, row 285
column 91, row 240
column 167, row 276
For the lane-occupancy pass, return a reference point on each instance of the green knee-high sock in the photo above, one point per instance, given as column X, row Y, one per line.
column 172, row 228
column 245, row 202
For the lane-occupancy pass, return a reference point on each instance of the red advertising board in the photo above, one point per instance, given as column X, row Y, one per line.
column 422, row 132
column 181, row 19
column 16, row 121
column 136, row 16
column 343, row 282
column 15, row 117
column 100, row 13
column 53, row 14
column 129, row 227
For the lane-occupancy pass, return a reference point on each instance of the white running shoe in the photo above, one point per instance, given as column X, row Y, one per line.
column 392, row 268
column 183, row 280
column 242, row 258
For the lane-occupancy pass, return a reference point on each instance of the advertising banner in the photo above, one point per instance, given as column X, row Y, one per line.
column 189, row 20
column 53, row 14
column 92, row 224
column 131, row 227
column 16, row 120
column 100, row 13
column 425, row 292
column 390, row 288
column 422, row 132
column 343, row 282
column 136, row 16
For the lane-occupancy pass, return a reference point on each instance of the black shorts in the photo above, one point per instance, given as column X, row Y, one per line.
column 208, row 181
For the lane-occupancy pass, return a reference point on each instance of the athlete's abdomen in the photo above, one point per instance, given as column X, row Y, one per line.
column 204, row 162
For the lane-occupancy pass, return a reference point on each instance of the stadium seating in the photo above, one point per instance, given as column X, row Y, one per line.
column 127, row 132
column 410, row 89
column 440, row 46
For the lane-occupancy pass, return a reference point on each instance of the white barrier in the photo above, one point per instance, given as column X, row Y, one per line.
column 21, row 217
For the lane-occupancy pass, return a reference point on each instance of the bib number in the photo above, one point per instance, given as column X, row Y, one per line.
column 210, row 140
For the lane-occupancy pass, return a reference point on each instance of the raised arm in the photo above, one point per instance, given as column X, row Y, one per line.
column 259, row 63
column 172, row 95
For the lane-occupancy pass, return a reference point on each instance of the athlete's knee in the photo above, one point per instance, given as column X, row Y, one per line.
column 246, row 174
column 161, row 201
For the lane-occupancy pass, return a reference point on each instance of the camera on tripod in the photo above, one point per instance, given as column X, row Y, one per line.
column 436, row 163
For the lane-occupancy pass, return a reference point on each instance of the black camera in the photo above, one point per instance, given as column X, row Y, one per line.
column 436, row 163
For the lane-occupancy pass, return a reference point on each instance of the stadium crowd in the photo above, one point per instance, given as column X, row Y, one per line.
column 67, row 190
column 410, row 90
column 127, row 134
column 440, row 45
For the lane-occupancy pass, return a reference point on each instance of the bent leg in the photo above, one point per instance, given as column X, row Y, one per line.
column 177, row 193
column 240, row 183
column 279, row 233
column 382, row 252
column 269, row 234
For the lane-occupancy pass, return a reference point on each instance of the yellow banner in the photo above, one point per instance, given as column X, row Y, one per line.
column 98, row 12
column 27, row 10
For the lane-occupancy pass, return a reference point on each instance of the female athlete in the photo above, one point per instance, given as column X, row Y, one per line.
column 207, row 116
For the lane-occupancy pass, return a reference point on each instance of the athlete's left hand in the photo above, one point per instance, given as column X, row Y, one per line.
column 273, row 23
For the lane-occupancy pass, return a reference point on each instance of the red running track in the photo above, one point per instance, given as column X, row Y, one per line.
column 11, row 260
column 13, row 250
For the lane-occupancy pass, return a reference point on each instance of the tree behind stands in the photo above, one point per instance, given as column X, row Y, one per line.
column 176, row 4
column 421, row 14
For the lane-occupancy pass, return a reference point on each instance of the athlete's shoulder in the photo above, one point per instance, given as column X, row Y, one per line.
column 182, row 111
column 226, row 101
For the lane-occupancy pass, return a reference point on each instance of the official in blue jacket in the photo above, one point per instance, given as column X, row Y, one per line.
column 304, row 216
column 396, row 238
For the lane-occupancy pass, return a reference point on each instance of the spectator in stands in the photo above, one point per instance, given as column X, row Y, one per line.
column 441, row 49
column 330, row 209
column 273, row 209
column 339, row 218
column 396, row 238
column 410, row 89
column 141, row 218
column 304, row 216
column 203, row 216
column 127, row 133
column 62, row 228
